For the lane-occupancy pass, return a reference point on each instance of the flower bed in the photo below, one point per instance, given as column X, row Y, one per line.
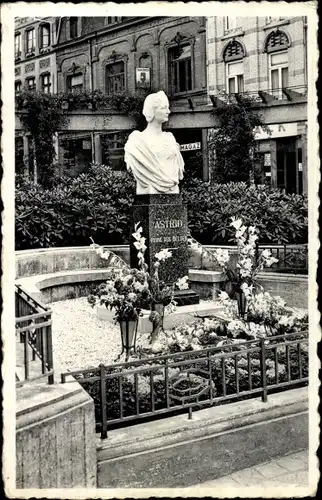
column 144, row 385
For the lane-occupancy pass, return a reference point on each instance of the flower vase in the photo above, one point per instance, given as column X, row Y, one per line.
column 157, row 324
column 128, row 336
column 230, row 289
column 241, row 302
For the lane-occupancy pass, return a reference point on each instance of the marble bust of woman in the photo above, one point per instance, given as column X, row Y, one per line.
column 153, row 156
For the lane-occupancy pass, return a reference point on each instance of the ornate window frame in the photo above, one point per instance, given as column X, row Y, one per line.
column 233, row 59
column 183, row 40
column 115, row 58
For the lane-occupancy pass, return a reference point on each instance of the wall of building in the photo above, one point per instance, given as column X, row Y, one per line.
column 139, row 43
column 43, row 60
column 252, row 33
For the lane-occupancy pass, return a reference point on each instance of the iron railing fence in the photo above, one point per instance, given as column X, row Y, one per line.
column 291, row 258
column 34, row 327
column 162, row 385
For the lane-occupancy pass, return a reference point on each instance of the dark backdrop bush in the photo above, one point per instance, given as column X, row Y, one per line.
column 98, row 205
column 280, row 217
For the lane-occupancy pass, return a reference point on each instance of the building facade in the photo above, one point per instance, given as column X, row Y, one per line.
column 194, row 60
column 266, row 57
column 122, row 55
column 35, row 69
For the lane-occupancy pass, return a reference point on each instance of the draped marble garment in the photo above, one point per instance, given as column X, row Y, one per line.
column 155, row 161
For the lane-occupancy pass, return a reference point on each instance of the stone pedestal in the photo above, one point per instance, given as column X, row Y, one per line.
column 164, row 222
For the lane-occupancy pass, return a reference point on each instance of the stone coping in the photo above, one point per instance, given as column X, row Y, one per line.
column 219, row 419
column 35, row 284
column 183, row 314
column 270, row 275
column 205, row 276
column 64, row 249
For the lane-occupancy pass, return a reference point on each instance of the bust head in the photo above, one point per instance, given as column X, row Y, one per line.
column 156, row 107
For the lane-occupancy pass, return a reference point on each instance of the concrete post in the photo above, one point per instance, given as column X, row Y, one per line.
column 304, row 160
column 97, row 148
column 26, row 155
column 273, row 163
column 205, row 172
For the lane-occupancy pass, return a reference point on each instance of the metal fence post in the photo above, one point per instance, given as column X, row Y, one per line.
column 263, row 369
column 50, row 353
column 256, row 254
column 103, row 401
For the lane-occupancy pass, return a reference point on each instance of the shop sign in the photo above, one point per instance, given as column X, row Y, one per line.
column 190, row 147
column 143, row 78
column 277, row 130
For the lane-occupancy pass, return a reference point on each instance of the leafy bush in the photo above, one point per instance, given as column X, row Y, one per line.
column 96, row 204
column 279, row 217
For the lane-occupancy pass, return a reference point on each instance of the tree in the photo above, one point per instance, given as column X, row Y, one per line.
column 42, row 117
column 233, row 145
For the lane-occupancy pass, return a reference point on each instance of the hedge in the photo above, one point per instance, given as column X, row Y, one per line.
column 98, row 205
column 279, row 217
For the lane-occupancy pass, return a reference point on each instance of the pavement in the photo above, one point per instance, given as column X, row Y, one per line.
column 289, row 470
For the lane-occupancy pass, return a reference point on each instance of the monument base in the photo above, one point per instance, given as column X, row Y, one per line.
column 163, row 218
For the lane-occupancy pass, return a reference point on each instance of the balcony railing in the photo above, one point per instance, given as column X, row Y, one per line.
column 267, row 96
column 34, row 345
column 163, row 385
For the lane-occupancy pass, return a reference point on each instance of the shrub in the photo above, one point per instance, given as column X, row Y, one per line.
column 279, row 217
column 96, row 204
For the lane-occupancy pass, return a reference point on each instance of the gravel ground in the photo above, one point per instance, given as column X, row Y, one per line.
column 80, row 339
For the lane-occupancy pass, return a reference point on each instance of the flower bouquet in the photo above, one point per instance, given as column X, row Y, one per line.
column 161, row 294
column 244, row 274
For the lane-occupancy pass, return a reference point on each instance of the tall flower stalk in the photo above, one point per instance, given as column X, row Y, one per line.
column 243, row 275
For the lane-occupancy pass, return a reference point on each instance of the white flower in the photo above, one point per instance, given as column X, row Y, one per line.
column 240, row 232
column 223, row 296
column 132, row 296
column 138, row 287
column 182, row 283
column 235, row 326
column 236, row 223
column 266, row 254
column 247, row 289
column 221, row 256
column 140, row 245
column 286, row 320
column 163, row 254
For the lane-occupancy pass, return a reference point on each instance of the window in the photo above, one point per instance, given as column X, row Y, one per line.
column 31, row 83
column 113, row 149
column 75, row 83
column 276, row 41
column 235, row 77
column 31, row 40
column 230, row 23
column 17, row 45
column 46, row 83
column 180, row 72
column 273, row 19
column 233, row 57
column 18, row 86
column 44, row 36
column 73, row 27
column 234, row 51
column 278, row 72
column 115, row 78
